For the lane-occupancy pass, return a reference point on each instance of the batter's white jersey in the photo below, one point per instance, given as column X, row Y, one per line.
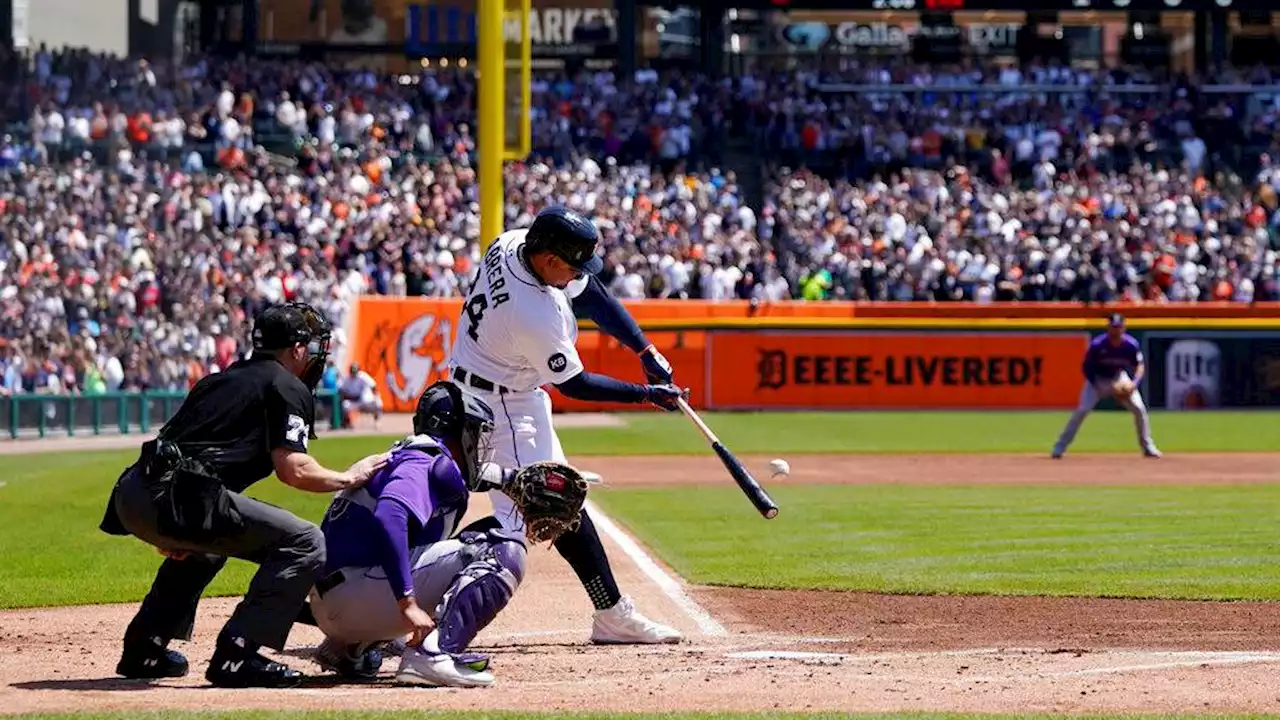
column 520, row 334
column 515, row 331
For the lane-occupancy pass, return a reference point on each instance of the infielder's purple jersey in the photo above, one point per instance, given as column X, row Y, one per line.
column 1105, row 361
column 431, row 489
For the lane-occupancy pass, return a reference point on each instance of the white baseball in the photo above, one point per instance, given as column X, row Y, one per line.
column 780, row 467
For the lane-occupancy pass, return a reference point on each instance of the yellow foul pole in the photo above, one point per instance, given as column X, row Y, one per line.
column 490, row 118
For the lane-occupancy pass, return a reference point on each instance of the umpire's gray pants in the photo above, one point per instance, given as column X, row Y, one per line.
column 289, row 550
column 1090, row 395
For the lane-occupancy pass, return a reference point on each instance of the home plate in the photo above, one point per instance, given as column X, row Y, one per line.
column 786, row 655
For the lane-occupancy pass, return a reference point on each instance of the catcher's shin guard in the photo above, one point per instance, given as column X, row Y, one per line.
column 480, row 591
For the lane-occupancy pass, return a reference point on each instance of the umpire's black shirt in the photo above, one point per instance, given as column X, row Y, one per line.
column 231, row 421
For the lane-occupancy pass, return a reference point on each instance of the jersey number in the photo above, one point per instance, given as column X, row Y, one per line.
column 475, row 311
column 297, row 431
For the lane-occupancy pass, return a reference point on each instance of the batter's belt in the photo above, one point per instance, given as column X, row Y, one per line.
column 465, row 377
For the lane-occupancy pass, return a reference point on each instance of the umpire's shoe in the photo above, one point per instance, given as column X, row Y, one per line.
column 236, row 666
column 149, row 659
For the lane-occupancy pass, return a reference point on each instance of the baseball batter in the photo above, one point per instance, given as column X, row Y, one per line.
column 516, row 335
column 1113, row 367
column 395, row 566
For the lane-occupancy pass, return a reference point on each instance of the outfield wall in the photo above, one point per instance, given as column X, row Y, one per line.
column 842, row 356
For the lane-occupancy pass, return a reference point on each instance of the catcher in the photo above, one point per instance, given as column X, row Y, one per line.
column 1113, row 366
column 395, row 567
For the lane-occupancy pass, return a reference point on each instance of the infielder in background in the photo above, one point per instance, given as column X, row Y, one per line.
column 1113, row 367
column 359, row 393
column 394, row 565
column 516, row 335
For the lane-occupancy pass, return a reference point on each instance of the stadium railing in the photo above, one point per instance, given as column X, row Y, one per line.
column 122, row 413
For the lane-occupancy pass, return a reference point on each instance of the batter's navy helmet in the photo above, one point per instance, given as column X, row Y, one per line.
column 567, row 235
column 447, row 412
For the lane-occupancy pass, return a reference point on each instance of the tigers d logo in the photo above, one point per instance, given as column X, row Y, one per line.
column 772, row 367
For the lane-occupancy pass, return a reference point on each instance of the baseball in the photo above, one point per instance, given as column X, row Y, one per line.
column 780, row 467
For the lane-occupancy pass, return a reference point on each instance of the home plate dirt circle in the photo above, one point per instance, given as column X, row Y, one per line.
column 762, row 650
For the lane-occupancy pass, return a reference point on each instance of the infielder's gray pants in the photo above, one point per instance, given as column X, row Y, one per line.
column 1090, row 395
column 289, row 550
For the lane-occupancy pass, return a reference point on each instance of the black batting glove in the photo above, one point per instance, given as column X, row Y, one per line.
column 665, row 396
column 656, row 368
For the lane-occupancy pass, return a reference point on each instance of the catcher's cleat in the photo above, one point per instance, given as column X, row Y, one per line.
column 622, row 624
column 420, row 667
column 352, row 662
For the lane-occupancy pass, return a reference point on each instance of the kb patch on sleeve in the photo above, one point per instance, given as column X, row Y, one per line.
column 557, row 362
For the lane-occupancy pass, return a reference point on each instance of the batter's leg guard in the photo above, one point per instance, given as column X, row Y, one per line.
column 585, row 553
column 481, row 590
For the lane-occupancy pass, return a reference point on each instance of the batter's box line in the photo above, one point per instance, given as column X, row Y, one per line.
column 671, row 587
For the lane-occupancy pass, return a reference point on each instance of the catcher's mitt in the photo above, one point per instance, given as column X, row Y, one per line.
column 550, row 496
column 1122, row 388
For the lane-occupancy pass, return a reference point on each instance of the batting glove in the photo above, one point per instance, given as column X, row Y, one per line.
column 656, row 367
column 665, row 396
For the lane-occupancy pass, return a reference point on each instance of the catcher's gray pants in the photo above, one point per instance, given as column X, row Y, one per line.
column 1090, row 395
column 361, row 608
column 289, row 550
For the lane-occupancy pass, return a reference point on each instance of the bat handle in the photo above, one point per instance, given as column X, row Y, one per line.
column 702, row 427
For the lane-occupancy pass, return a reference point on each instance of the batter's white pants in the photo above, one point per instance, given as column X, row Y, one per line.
column 522, row 434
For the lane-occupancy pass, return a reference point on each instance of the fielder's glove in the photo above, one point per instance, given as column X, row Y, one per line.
column 656, row 368
column 550, row 497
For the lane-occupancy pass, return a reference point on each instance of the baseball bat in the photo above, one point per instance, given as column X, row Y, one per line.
column 756, row 494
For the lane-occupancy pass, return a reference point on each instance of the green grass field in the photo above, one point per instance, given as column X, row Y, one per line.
column 922, row 432
column 1168, row 542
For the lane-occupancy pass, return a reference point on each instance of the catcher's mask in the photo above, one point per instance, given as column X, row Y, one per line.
column 447, row 413
column 280, row 327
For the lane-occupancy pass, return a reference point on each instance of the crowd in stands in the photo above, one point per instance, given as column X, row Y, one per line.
column 149, row 210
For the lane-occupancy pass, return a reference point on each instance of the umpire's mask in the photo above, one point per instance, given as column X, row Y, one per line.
column 448, row 413
column 291, row 324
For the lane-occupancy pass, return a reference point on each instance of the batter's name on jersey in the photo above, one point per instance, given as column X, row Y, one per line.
column 480, row 302
column 779, row 368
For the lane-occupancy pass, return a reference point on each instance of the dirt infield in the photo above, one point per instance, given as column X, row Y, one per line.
column 762, row 650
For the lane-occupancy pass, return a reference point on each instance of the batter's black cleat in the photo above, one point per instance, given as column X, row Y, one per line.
column 350, row 662
column 234, row 666
column 150, row 660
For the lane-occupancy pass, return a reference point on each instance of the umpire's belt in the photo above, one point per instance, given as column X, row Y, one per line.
column 329, row 582
column 477, row 382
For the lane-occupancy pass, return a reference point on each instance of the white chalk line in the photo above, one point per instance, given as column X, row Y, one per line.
column 673, row 589
column 1233, row 659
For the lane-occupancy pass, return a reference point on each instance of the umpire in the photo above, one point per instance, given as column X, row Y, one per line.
column 183, row 496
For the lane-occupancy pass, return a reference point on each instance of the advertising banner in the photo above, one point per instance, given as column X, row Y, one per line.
column 848, row 370
column 1196, row 370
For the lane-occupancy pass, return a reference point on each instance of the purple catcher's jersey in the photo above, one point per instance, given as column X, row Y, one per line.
column 1105, row 361
column 422, row 477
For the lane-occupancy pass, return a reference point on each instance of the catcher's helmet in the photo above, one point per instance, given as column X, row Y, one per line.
column 568, row 235
column 447, row 412
column 280, row 327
